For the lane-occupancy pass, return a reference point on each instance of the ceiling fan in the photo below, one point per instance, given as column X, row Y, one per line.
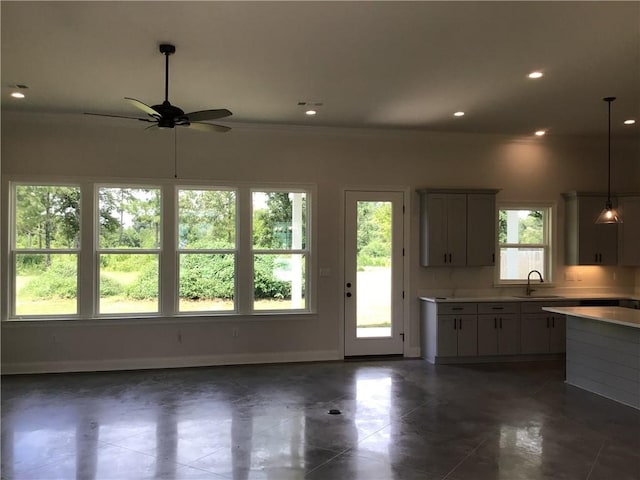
column 165, row 115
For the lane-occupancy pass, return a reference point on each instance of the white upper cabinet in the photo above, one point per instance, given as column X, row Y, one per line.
column 481, row 229
column 629, row 231
column 457, row 227
column 588, row 243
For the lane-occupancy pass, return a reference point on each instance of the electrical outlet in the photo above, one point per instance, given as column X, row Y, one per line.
column 234, row 332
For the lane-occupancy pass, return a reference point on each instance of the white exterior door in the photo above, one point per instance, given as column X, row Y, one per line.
column 373, row 289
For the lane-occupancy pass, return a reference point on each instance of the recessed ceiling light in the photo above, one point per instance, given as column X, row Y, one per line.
column 631, row 121
column 535, row 75
column 310, row 112
column 17, row 95
column 458, row 114
column 540, row 133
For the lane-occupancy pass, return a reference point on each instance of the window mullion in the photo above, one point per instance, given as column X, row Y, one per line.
column 168, row 256
column 244, row 258
column 87, row 263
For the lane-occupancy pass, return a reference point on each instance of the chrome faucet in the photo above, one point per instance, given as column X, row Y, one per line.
column 529, row 289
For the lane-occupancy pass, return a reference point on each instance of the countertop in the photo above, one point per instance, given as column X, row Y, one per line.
column 532, row 298
column 618, row 315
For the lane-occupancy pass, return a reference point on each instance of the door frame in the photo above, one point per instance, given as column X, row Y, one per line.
column 408, row 351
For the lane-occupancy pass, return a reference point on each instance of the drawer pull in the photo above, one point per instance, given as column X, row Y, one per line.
column 497, row 308
column 457, row 308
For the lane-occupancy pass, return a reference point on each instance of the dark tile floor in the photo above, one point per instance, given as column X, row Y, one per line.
column 401, row 419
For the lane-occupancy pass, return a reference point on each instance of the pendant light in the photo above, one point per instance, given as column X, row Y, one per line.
column 609, row 214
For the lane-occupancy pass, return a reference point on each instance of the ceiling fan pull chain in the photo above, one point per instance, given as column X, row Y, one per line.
column 175, row 153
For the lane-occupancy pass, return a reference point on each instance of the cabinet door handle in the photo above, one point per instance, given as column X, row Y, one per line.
column 553, row 322
column 493, row 258
column 495, row 322
column 445, row 258
column 449, row 258
column 595, row 258
column 460, row 320
column 455, row 323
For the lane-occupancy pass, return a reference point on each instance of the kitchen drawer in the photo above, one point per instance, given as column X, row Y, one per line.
column 536, row 307
column 500, row 307
column 457, row 308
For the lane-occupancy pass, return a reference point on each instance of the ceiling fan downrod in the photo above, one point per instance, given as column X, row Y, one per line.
column 167, row 49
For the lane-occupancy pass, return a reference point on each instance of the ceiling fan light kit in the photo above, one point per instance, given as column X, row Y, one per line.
column 608, row 213
column 166, row 115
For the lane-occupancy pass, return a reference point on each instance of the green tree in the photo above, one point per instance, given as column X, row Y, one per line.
column 272, row 225
column 47, row 217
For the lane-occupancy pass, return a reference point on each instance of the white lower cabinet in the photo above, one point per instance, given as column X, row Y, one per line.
column 498, row 328
column 498, row 334
column 456, row 332
column 457, row 335
column 542, row 332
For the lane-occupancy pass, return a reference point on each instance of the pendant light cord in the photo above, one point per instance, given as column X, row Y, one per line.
column 609, row 154
column 609, row 100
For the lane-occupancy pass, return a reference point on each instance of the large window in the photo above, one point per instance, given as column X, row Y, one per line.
column 141, row 250
column 524, row 238
column 206, row 250
column 279, row 250
column 45, row 248
column 128, row 249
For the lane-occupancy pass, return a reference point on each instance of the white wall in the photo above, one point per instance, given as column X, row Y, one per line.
column 525, row 169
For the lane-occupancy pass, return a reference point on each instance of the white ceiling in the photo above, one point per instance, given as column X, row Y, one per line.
column 372, row 64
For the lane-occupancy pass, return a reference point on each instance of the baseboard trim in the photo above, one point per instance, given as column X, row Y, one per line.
column 167, row 362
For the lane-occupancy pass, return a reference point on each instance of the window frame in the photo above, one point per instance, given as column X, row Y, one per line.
column 88, row 294
column 14, row 251
column 98, row 251
column 208, row 251
column 305, row 252
column 548, row 246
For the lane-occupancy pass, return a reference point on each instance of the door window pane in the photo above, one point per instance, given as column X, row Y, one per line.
column 373, row 310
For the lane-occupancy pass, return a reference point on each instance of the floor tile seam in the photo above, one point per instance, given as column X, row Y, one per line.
column 471, row 453
column 179, row 464
column 540, row 388
column 595, row 460
column 48, row 463
column 424, row 404
column 326, row 462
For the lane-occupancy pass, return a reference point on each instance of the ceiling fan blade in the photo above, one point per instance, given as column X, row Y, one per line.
column 208, row 127
column 118, row 116
column 144, row 107
column 208, row 115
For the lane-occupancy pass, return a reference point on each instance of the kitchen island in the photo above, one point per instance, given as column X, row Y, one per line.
column 603, row 351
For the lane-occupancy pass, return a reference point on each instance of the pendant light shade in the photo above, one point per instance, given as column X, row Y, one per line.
column 608, row 213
